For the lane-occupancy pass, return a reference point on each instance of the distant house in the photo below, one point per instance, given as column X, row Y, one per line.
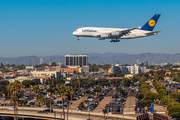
column 167, row 78
column 167, row 72
column 128, row 75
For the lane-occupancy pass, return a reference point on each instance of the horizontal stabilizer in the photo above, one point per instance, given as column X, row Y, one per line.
column 153, row 33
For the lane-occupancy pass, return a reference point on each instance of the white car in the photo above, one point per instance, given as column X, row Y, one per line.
column 11, row 108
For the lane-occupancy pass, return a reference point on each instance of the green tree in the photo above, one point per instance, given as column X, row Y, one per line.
column 173, row 94
column 22, row 102
column 151, row 72
column 3, row 85
column 21, row 67
column 178, row 96
column 140, row 96
column 41, row 99
column 27, row 83
column 98, row 89
column 146, row 74
column 49, row 103
column 53, row 64
column 104, row 82
column 81, row 105
column 121, row 90
column 174, row 111
column 75, row 83
column 49, row 81
column 51, row 90
column 135, row 78
column 60, row 81
column 126, row 82
column 36, row 89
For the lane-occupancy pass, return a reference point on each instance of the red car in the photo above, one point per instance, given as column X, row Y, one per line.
column 7, row 99
column 31, row 98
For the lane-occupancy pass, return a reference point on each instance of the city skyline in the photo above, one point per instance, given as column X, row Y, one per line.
column 44, row 28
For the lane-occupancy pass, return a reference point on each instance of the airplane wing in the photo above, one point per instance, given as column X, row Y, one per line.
column 124, row 32
column 153, row 33
column 118, row 33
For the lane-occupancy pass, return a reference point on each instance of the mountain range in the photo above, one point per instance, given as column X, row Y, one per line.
column 98, row 58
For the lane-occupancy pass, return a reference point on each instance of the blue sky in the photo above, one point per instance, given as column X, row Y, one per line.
column 44, row 27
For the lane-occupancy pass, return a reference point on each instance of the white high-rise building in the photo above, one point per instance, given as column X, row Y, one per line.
column 117, row 69
column 41, row 60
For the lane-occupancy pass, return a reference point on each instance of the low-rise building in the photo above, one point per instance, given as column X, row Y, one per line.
column 71, row 70
column 22, row 78
column 46, row 74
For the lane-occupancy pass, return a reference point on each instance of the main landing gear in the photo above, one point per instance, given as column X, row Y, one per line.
column 78, row 38
column 115, row 41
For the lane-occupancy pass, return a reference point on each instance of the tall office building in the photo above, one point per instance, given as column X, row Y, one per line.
column 76, row 60
column 41, row 60
column 145, row 62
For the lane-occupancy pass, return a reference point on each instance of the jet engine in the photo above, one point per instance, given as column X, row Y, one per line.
column 115, row 34
column 104, row 35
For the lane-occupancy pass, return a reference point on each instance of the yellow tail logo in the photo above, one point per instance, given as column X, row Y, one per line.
column 152, row 23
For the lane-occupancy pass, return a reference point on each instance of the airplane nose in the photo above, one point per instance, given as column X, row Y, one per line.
column 74, row 33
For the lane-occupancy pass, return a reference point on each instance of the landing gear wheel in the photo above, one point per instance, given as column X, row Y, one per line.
column 115, row 41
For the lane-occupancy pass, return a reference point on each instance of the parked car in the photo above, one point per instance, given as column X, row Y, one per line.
column 49, row 110
column 11, row 108
column 42, row 112
column 32, row 103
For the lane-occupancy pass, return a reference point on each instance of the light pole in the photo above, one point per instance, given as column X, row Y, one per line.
column 123, row 113
column 89, row 110
column 50, row 105
column 172, row 114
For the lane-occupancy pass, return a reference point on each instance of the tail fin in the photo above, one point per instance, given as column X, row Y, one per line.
column 149, row 26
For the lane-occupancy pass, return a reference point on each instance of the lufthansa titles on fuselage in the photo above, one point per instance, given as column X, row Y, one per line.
column 87, row 30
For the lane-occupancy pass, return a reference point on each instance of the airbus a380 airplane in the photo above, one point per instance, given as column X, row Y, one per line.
column 119, row 33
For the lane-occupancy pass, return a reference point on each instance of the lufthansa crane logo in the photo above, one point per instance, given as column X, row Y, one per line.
column 151, row 22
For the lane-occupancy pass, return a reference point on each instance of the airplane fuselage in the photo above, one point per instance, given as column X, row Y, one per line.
column 98, row 32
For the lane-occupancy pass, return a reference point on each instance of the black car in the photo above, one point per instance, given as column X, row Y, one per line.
column 59, row 102
column 32, row 103
column 42, row 112
column 118, row 109
column 48, row 110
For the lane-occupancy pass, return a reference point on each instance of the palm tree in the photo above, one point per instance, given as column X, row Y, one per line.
column 69, row 92
column 78, row 74
column 41, row 99
column 84, row 75
column 61, row 91
column 14, row 90
column 37, row 91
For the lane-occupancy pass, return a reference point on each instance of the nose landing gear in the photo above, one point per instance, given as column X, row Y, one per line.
column 115, row 41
